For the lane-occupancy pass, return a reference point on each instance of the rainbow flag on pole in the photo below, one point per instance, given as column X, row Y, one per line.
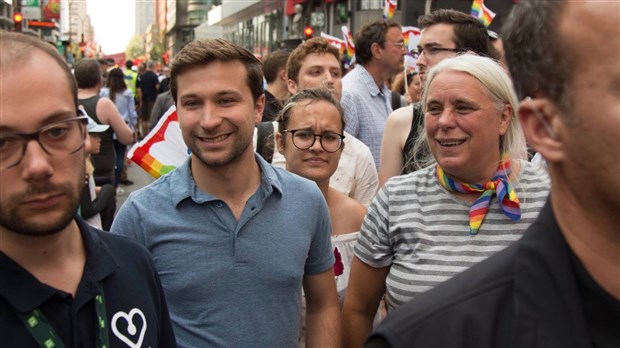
column 389, row 7
column 349, row 53
column 163, row 149
column 340, row 43
column 480, row 11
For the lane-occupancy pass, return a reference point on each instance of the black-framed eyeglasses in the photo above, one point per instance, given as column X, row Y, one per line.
column 303, row 139
column 57, row 139
column 430, row 51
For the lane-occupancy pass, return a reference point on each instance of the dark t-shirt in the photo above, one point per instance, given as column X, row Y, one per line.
column 148, row 83
column 132, row 290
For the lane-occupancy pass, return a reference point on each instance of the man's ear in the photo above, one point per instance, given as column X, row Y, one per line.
column 259, row 107
column 292, row 86
column 376, row 50
column 283, row 75
column 542, row 124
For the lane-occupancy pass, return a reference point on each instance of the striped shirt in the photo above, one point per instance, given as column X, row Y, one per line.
column 422, row 231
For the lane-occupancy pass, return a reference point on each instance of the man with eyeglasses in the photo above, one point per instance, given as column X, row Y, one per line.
column 366, row 100
column 62, row 283
column 445, row 33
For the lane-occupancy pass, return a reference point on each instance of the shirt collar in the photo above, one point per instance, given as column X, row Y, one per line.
column 25, row 293
column 369, row 82
column 184, row 186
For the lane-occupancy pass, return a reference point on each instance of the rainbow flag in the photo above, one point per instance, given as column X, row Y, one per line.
column 163, row 149
column 389, row 7
column 340, row 43
column 349, row 53
column 480, row 11
column 411, row 35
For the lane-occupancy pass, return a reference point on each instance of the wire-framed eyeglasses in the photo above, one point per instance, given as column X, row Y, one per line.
column 57, row 139
column 430, row 51
column 303, row 139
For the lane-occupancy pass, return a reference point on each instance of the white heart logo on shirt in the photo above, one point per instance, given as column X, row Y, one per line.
column 131, row 327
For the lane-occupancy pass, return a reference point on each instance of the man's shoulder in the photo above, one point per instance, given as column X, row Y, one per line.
column 355, row 146
column 469, row 309
column 121, row 247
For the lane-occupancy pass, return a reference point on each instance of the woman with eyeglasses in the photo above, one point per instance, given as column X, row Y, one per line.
column 476, row 195
column 310, row 137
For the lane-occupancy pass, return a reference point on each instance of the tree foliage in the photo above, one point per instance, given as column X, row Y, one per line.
column 135, row 47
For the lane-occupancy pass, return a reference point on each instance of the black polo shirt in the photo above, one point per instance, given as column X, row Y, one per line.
column 132, row 293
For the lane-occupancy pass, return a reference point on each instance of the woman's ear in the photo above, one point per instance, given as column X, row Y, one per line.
column 542, row 124
column 505, row 119
column 279, row 142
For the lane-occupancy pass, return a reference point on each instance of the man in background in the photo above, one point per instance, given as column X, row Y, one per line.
column 146, row 86
column 379, row 51
column 276, row 93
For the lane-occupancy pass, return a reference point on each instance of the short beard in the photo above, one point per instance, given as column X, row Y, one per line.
column 10, row 219
column 235, row 154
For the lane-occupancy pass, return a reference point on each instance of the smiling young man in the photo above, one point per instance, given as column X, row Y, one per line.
column 62, row 283
column 233, row 238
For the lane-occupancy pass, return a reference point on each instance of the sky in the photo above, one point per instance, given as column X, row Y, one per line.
column 114, row 23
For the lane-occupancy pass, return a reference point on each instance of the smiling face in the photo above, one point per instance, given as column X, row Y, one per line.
column 318, row 70
column 316, row 164
column 217, row 118
column 40, row 195
column 463, row 126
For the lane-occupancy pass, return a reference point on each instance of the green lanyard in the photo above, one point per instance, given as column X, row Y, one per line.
column 46, row 336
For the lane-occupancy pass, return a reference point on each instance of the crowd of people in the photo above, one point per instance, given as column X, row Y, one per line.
column 319, row 207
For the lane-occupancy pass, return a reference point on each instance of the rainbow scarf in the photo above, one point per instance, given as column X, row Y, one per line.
column 506, row 195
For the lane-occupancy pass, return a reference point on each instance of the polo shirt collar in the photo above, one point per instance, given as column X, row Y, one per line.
column 25, row 293
column 369, row 82
column 184, row 186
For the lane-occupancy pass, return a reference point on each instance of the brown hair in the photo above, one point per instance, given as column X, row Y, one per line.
column 87, row 73
column 310, row 95
column 203, row 52
column 469, row 32
column 317, row 45
column 371, row 33
column 273, row 63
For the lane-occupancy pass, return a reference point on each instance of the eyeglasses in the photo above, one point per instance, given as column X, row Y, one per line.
column 430, row 51
column 57, row 139
column 303, row 139
column 399, row 44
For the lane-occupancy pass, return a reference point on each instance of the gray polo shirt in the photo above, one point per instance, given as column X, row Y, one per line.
column 228, row 282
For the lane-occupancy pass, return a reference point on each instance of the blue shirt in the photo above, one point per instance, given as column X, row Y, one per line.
column 366, row 108
column 228, row 282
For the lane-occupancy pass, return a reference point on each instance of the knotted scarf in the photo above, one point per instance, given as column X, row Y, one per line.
column 506, row 195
